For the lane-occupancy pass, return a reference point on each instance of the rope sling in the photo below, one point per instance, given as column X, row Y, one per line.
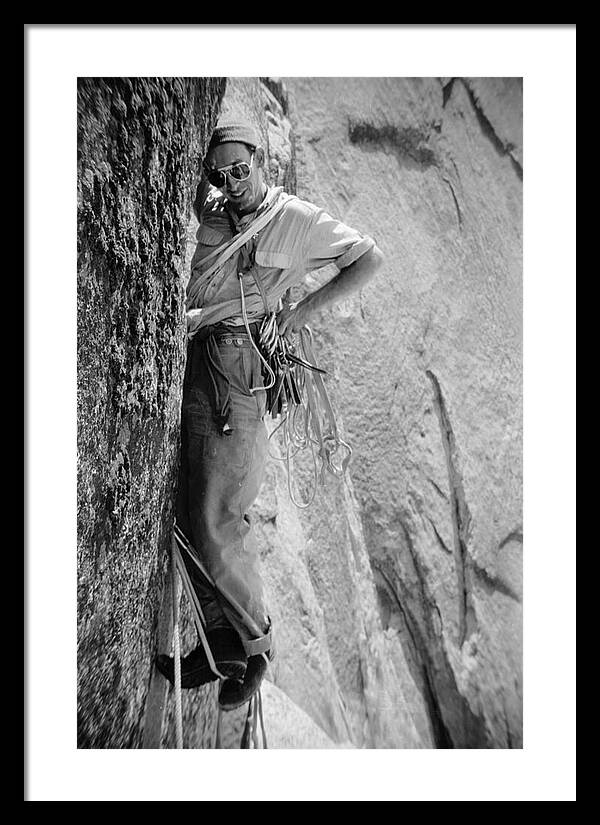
column 297, row 394
column 180, row 546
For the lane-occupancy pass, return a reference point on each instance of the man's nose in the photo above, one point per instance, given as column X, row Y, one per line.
column 231, row 183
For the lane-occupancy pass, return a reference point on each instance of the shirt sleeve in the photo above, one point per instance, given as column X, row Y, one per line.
column 331, row 241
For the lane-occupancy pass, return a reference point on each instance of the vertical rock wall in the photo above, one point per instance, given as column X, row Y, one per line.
column 139, row 141
column 427, row 372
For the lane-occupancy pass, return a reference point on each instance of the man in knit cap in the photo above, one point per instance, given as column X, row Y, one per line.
column 255, row 241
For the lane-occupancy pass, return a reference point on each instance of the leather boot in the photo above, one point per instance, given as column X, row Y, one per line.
column 236, row 692
column 228, row 653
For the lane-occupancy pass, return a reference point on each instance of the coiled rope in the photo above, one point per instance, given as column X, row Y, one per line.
column 308, row 420
column 296, row 391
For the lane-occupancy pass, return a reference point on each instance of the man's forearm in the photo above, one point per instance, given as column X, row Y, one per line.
column 349, row 280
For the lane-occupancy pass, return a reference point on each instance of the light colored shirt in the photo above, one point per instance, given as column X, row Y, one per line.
column 299, row 239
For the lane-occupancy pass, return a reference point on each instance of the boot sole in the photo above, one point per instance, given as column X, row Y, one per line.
column 227, row 708
column 204, row 675
column 229, row 670
column 230, row 706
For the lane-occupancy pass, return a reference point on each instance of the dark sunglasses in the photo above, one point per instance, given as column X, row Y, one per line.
column 238, row 171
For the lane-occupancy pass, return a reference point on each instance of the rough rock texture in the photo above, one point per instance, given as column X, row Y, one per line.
column 426, row 366
column 287, row 726
column 138, row 146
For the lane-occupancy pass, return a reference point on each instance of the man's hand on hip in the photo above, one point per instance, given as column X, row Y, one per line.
column 292, row 318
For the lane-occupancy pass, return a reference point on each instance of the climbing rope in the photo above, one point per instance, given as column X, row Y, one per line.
column 254, row 720
column 176, row 649
column 307, row 416
column 265, row 363
column 295, row 391
column 179, row 572
column 182, row 543
column 261, row 719
column 217, row 745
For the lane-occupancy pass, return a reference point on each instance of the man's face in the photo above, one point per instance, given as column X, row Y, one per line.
column 244, row 195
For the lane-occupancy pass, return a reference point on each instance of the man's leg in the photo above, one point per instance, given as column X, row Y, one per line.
column 220, row 477
column 207, row 595
column 224, row 477
column 229, row 658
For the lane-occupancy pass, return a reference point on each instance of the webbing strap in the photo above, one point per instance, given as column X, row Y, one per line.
column 245, row 744
column 199, row 619
column 254, row 647
column 226, row 250
column 218, row 744
column 261, row 289
column 256, row 349
column 185, row 545
column 254, row 720
column 254, row 723
column 176, row 648
column 262, row 721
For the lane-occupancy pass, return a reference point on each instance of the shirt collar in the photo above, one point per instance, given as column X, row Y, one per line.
column 270, row 194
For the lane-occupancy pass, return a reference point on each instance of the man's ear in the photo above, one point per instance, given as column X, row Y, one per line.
column 260, row 156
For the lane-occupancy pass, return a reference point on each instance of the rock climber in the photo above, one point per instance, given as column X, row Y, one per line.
column 223, row 431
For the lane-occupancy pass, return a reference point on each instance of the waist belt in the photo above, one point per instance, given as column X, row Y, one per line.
column 208, row 339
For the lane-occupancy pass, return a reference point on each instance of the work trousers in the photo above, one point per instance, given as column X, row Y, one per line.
column 219, row 479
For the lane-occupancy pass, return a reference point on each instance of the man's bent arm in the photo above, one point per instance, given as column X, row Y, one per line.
column 349, row 280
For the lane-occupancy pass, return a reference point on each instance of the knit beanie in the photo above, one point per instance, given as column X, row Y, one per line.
column 236, row 132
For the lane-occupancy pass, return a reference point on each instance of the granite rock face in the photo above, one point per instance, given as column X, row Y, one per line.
column 427, row 370
column 396, row 596
column 139, row 141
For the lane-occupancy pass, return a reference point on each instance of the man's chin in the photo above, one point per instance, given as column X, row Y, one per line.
column 238, row 202
column 243, row 206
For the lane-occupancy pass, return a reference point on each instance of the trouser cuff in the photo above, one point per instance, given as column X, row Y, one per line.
column 254, row 647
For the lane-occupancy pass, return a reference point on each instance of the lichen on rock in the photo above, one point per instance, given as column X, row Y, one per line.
column 139, row 140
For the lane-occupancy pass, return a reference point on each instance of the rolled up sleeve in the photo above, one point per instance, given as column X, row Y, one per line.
column 331, row 241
